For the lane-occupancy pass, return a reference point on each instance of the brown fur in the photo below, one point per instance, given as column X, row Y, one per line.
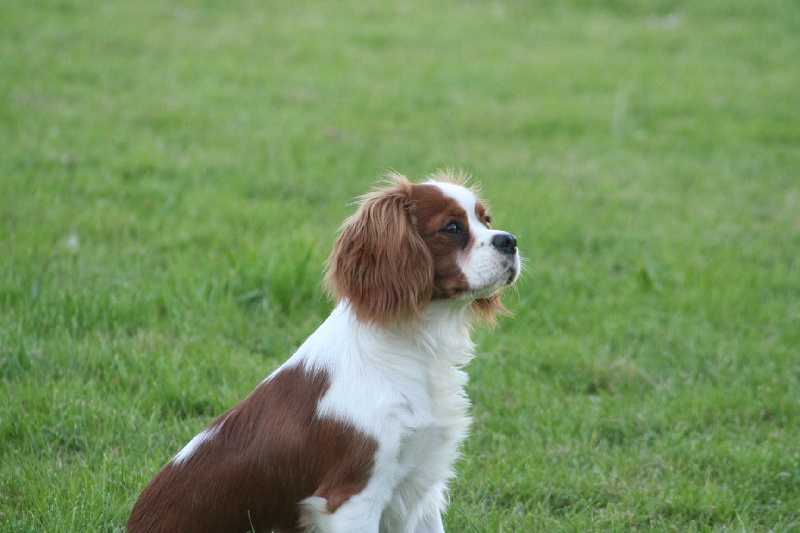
column 379, row 262
column 486, row 310
column 247, row 475
column 432, row 211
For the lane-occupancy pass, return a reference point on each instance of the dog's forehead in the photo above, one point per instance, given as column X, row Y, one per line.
column 462, row 195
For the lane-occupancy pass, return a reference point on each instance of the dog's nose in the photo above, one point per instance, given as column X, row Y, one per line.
column 505, row 243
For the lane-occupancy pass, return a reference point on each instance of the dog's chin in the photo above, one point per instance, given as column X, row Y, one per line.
column 504, row 279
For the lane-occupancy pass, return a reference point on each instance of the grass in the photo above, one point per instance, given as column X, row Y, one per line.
column 172, row 176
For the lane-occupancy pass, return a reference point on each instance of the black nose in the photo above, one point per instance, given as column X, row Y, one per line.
column 505, row 243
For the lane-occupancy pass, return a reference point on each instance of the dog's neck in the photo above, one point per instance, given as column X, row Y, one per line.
column 440, row 340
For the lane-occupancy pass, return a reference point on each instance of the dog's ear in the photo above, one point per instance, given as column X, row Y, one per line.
column 379, row 263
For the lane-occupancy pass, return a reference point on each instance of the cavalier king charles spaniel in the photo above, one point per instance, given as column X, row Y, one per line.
column 358, row 431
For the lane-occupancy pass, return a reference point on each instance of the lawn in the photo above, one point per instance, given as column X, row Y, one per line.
column 172, row 176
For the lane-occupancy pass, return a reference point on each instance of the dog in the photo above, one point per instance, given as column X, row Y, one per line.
column 358, row 431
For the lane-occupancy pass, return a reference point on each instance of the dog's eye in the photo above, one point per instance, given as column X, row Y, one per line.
column 452, row 229
column 487, row 221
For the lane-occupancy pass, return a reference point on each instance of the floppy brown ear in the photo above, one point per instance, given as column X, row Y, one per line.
column 379, row 263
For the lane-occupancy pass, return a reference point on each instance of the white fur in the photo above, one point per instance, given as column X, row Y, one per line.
column 413, row 385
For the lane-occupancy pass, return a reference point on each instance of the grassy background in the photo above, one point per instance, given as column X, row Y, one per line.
column 172, row 176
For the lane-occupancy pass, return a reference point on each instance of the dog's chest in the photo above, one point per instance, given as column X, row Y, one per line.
column 434, row 424
column 419, row 463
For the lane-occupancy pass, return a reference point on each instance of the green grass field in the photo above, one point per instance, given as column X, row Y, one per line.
column 172, row 176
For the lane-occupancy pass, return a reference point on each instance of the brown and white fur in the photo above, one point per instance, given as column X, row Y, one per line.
column 358, row 431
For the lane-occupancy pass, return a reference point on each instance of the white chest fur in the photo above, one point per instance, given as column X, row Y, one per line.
column 406, row 390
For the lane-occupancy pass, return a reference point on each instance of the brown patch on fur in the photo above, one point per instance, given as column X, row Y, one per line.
column 486, row 310
column 480, row 213
column 433, row 211
column 270, row 452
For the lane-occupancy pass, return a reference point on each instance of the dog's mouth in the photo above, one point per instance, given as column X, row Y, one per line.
column 507, row 273
column 512, row 276
column 513, row 272
column 504, row 279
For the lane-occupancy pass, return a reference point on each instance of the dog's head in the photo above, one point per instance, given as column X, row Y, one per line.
column 411, row 243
